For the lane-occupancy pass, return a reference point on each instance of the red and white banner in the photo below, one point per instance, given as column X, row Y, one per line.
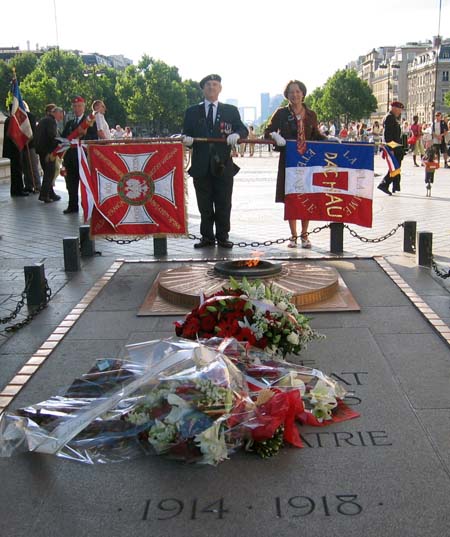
column 330, row 182
column 134, row 189
column 19, row 127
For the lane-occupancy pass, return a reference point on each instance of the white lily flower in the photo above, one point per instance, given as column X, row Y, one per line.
column 212, row 444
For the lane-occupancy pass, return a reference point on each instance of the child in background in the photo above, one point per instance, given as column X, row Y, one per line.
column 431, row 165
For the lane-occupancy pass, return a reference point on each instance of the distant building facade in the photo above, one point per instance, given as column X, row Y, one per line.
column 417, row 74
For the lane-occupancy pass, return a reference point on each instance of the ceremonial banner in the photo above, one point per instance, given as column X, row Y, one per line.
column 329, row 181
column 134, row 189
column 19, row 127
column 388, row 155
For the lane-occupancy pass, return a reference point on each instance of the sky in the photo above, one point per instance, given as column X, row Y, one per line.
column 255, row 45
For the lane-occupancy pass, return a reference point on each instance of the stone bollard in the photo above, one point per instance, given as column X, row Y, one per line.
column 409, row 236
column 35, row 284
column 336, row 238
column 424, row 248
column 87, row 245
column 160, row 246
column 71, row 246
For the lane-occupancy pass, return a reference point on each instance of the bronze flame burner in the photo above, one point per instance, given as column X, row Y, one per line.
column 248, row 268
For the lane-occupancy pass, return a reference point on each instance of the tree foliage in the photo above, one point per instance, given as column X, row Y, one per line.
column 314, row 101
column 447, row 98
column 346, row 96
column 154, row 93
column 151, row 95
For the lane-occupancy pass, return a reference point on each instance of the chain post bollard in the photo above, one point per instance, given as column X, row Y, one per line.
column 424, row 248
column 71, row 246
column 87, row 245
column 35, row 284
column 336, row 237
column 159, row 246
column 409, row 236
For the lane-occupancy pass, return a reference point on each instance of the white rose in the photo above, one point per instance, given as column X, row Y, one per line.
column 293, row 338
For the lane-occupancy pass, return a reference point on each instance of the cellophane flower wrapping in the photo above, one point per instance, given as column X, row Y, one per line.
column 287, row 391
column 250, row 311
column 173, row 397
column 196, row 401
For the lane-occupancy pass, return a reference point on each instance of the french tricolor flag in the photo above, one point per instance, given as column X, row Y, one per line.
column 392, row 162
column 19, row 128
column 330, row 182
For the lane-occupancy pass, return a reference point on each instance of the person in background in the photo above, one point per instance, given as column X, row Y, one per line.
column 430, row 160
column 118, row 132
column 31, row 175
column 12, row 152
column 45, row 142
column 251, row 136
column 343, row 133
column 294, row 121
column 405, row 135
column 212, row 167
column 71, row 156
column 439, row 132
column 392, row 132
column 418, row 149
column 103, row 131
column 128, row 133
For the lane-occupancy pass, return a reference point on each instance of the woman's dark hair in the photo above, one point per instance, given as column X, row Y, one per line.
column 300, row 85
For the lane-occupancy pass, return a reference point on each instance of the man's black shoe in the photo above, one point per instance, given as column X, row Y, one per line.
column 204, row 243
column 54, row 197
column 225, row 244
column 70, row 210
column 384, row 189
column 20, row 194
column 45, row 200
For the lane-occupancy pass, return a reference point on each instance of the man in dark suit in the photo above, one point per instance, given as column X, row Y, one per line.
column 212, row 167
column 45, row 140
column 392, row 132
column 71, row 157
column 11, row 151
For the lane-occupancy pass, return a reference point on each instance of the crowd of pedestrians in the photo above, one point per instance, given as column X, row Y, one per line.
column 35, row 168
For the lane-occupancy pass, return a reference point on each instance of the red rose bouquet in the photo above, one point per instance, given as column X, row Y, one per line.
column 253, row 312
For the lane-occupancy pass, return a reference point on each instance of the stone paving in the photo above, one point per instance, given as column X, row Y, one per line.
column 386, row 473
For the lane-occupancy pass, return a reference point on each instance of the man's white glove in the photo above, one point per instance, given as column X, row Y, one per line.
column 232, row 139
column 188, row 141
column 278, row 139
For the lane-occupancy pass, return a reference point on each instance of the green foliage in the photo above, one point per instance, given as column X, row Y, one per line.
column 5, row 84
column 314, row 101
column 346, row 96
column 447, row 98
column 24, row 64
column 151, row 94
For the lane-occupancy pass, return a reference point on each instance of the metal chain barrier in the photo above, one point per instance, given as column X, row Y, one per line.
column 20, row 305
column 443, row 275
column 123, row 241
column 393, row 231
column 256, row 244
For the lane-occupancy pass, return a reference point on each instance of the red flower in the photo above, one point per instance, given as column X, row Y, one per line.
column 191, row 327
column 246, row 334
column 207, row 323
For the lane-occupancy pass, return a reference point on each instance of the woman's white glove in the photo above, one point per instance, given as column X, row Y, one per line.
column 188, row 141
column 278, row 139
column 232, row 139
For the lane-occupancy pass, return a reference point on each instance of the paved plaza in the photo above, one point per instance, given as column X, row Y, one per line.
column 386, row 473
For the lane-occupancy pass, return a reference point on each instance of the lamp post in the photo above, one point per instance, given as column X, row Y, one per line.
column 92, row 73
column 389, row 66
